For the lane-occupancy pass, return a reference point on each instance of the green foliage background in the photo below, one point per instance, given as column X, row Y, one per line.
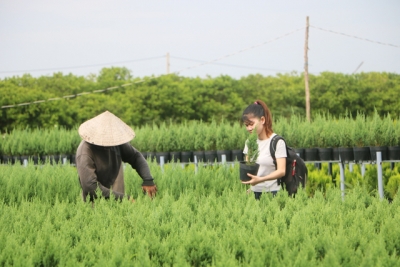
column 150, row 100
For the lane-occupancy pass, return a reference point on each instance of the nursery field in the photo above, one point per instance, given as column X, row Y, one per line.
column 200, row 217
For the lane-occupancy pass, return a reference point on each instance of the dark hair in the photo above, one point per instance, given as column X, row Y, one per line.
column 259, row 109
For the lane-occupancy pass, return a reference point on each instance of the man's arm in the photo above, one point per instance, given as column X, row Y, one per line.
column 132, row 156
column 138, row 162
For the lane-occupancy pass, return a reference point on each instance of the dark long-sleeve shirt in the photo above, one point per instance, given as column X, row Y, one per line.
column 101, row 167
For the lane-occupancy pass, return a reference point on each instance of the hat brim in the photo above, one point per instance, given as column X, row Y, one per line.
column 106, row 129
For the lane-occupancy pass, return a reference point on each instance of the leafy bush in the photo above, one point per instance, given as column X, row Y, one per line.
column 376, row 131
column 392, row 187
column 210, row 138
column 200, row 131
column 252, row 148
column 295, row 133
column 223, row 136
column 346, row 125
column 360, row 131
column 187, row 137
column 323, row 131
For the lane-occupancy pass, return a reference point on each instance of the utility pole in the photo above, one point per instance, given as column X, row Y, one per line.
column 167, row 63
column 308, row 113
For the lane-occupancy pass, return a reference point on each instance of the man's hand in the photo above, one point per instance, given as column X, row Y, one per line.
column 151, row 190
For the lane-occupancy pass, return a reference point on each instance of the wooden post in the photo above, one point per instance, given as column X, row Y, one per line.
column 167, row 63
column 308, row 112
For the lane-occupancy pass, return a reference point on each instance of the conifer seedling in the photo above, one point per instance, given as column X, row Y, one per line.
column 252, row 148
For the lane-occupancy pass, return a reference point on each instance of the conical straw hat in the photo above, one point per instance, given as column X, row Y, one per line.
column 106, row 129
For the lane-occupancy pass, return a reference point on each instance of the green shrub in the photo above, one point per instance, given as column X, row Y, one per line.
column 200, row 131
column 376, row 131
column 252, row 148
column 392, row 187
column 187, row 135
column 223, row 136
column 360, row 131
column 346, row 125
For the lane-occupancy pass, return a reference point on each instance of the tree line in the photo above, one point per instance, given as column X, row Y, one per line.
column 144, row 100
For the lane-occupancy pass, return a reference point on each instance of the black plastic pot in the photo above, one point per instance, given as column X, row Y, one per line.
column 16, row 159
column 244, row 169
column 346, row 154
column 210, row 156
column 43, row 159
column 335, row 152
column 227, row 153
column 237, row 155
column 394, row 152
column 199, row 155
column 361, row 154
column 23, row 159
column 325, row 153
column 311, row 154
column 175, row 156
column 7, row 159
column 66, row 157
column 73, row 158
column 35, row 159
column 55, row 159
column 186, row 156
column 150, row 156
column 162, row 154
column 382, row 149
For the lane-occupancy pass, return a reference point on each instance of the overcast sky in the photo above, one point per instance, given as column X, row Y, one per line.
column 236, row 38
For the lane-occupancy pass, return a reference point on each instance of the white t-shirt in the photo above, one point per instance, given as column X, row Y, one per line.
column 266, row 163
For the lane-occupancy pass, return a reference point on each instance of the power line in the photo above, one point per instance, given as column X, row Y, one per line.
column 356, row 37
column 228, row 65
column 83, row 66
column 184, row 69
column 240, row 51
column 73, row 96
column 143, row 80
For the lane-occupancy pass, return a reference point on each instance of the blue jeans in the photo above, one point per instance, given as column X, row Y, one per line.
column 257, row 195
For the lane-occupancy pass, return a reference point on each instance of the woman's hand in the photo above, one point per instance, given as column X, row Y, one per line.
column 254, row 180
column 279, row 173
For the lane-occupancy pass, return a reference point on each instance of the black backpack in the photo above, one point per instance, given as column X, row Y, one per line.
column 296, row 169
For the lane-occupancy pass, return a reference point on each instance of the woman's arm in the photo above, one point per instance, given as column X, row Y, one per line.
column 278, row 173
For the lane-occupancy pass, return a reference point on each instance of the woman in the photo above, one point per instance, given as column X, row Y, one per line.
column 258, row 117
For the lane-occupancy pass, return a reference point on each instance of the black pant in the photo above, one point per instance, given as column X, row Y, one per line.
column 257, row 195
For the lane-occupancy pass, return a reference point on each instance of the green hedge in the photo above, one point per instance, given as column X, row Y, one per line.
column 156, row 99
column 323, row 131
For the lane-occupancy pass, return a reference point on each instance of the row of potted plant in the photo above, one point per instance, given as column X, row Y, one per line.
column 192, row 141
column 38, row 144
column 322, row 139
column 346, row 138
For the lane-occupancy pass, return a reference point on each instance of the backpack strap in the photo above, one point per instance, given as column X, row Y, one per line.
column 272, row 146
column 272, row 150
